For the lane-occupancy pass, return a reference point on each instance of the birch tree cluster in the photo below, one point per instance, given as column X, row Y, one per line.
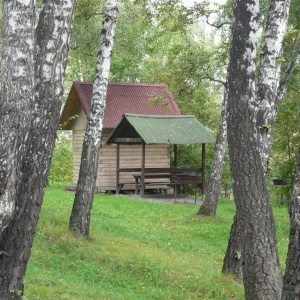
column 234, row 66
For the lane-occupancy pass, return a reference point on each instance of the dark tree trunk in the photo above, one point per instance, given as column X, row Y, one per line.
column 291, row 280
column 267, row 95
column 52, row 39
column 233, row 257
column 261, row 270
column 211, row 196
column 80, row 216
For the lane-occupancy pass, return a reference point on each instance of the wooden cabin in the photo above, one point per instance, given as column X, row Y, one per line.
column 154, row 99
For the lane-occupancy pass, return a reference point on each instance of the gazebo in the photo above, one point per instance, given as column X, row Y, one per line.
column 136, row 129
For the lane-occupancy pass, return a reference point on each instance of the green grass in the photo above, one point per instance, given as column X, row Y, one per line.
column 136, row 250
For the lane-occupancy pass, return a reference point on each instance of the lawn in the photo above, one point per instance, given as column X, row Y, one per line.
column 136, row 250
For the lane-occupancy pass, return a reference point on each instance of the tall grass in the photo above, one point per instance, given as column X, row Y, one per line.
column 136, row 250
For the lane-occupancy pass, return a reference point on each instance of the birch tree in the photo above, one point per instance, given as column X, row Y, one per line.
column 33, row 73
column 269, row 75
column 267, row 97
column 80, row 216
column 17, row 92
column 212, row 192
column 291, row 282
column 261, row 270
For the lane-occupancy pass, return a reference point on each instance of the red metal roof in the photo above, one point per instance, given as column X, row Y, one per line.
column 147, row 99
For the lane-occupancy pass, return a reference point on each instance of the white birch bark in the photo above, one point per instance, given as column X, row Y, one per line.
column 269, row 74
column 268, row 96
column 212, row 192
column 261, row 270
column 16, row 98
column 291, row 282
column 50, row 49
column 80, row 216
column 286, row 78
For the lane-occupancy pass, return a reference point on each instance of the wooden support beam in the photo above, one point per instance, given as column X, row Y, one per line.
column 175, row 156
column 143, row 170
column 128, row 140
column 117, row 169
column 203, row 169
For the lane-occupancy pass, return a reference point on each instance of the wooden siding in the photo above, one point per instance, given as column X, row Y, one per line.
column 130, row 157
column 79, row 123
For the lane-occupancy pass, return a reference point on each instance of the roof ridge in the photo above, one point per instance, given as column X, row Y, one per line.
column 124, row 83
column 159, row 116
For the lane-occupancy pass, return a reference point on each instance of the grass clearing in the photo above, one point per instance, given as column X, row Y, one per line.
column 136, row 250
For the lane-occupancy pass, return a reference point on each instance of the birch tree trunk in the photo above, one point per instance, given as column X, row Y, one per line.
column 80, row 216
column 268, row 93
column 51, row 49
column 16, row 98
column 211, row 196
column 269, row 75
column 261, row 270
column 291, row 280
column 286, row 78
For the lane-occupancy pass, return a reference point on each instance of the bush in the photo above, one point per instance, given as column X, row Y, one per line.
column 62, row 162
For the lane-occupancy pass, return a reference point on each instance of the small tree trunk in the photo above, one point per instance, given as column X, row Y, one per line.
column 291, row 281
column 211, row 196
column 80, row 216
column 52, row 33
column 233, row 258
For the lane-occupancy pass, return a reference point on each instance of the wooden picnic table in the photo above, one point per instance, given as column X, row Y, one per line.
column 185, row 180
column 154, row 173
column 175, row 180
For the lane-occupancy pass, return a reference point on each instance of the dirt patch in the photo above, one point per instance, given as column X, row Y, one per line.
column 162, row 198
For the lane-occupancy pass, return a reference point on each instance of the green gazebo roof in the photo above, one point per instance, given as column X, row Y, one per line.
column 152, row 129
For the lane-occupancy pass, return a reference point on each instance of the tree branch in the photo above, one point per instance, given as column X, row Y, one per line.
column 218, row 26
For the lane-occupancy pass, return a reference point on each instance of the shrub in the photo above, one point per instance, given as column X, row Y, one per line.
column 62, row 163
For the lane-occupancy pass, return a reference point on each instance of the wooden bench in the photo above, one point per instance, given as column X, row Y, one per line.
column 137, row 180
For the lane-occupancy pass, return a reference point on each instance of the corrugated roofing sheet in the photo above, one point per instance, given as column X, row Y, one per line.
column 165, row 129
column 149, row 99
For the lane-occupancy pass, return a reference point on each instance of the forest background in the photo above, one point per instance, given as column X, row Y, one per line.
column 185, row 47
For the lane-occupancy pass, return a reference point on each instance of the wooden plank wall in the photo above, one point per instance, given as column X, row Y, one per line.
column 130, row 157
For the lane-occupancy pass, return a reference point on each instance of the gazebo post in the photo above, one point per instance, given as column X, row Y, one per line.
column 175, row 156
column 143, row 170
column 203, row 168
column 117, row 169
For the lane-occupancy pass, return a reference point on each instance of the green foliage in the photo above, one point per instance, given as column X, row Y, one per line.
column 286, row 138
column 145, row 250
column 84, row 41
column 66, row 123
column 62, row 161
